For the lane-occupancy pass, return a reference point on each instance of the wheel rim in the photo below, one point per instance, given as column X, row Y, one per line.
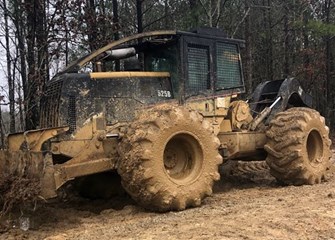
column 314, row 147
column 183, row 158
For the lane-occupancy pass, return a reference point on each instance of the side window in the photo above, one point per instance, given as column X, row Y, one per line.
column 198, row 67
column 164, row 59
column 161, row 60
column 229, row 74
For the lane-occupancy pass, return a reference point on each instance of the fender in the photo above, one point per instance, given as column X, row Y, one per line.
column 290, row 91
column 292, row 95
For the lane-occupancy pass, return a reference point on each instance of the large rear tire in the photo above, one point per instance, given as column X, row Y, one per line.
column 298, row 147
column 169, row 159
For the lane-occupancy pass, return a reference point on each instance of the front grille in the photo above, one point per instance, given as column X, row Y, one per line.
column 49, row 115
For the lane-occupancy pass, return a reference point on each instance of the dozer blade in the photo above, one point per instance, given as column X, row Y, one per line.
column 36, row 166
column 21, row 163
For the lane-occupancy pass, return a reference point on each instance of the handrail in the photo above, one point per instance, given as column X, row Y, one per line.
column 99, row 75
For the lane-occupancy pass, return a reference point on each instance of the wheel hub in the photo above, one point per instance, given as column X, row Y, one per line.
column 182, row 157
column 315, row 148
column 170, row 159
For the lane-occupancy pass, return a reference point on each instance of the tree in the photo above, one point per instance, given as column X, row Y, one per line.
column 9, row 70
column 282, row 39
column 248, row 51
column 36, row 61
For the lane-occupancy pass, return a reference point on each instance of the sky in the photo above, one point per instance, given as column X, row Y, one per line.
column 3, row 72
column 3, row 66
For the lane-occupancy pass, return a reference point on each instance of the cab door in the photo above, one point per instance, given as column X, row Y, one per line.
column 199, row 74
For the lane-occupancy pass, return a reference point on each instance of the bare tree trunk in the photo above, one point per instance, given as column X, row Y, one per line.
column 286, row 69
column 2, row 134
column 270, row 40
column 294, row 35
column 116, row 19
column 42, row 47
column 21, row 51
column 91, row 25
column 248, row 44
column 19, row 25
column 21, row 113
column 139, row 15
column 116, row 30
column 139, row 25
column 268, row 56
column 37, row 59
column 194, row 12
column 31, row 87
column 9, row 72
column 328, row 60
column 306, row 47
column 166, row 12
column 210, row 14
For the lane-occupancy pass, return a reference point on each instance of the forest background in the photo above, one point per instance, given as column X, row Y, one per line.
column 294, row 38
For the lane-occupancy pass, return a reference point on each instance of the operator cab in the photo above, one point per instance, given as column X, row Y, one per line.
column 204, row 61
column 142, row 70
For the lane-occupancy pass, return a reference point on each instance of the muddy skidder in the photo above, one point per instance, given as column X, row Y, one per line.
column 166, row 122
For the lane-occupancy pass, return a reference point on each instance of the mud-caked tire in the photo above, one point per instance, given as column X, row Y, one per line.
column 298, row 147
column 169, row 158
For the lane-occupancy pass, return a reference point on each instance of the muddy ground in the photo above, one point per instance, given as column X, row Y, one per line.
column 248, row 204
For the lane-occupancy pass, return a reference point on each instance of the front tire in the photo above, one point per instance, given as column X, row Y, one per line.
column 298, row 147
column 169, row 159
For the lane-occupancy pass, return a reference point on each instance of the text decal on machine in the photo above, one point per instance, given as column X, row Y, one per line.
column 164, row 93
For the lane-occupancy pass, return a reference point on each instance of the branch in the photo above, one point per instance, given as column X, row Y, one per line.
column 148, row 8
column 157, row 20
column 242, row 20
column 204, row 7
column 220, row 13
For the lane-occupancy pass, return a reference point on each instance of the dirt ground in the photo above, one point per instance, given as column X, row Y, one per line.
column 248, row 204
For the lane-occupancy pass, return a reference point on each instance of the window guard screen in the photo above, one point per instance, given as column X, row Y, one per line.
column 198, row 67
column 229, row 73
